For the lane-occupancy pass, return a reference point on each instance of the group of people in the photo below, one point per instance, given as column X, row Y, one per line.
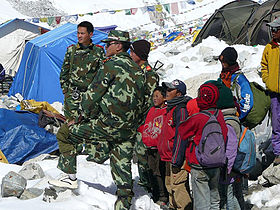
column 115, row 107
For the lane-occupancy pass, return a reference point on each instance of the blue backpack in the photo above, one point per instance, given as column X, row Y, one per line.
column 246, row 153
column 210, row 152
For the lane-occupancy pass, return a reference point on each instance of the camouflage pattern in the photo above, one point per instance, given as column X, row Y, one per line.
column 116, row 98
column 111, row 109
column 117, row 35
column 120, row 162
column 78, row 69
column 145, row 174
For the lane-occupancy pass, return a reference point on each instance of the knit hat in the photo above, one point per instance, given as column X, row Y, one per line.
column 176, row 84
column 141, row 48
column 226, row 98
column 229, row 55
column 208, row 95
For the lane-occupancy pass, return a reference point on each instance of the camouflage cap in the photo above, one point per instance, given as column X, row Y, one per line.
column 117, row 35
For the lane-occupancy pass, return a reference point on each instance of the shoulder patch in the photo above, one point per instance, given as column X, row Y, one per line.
column 107, row 59
column 70, row 46
column 148, row 68
column 97, row 45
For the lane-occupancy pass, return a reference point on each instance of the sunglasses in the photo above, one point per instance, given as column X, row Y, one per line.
column 108, row 44
column 274, row 29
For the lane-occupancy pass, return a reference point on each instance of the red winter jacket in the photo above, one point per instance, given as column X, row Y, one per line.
column 166, row 139
column 191, row 129
column 151, row 130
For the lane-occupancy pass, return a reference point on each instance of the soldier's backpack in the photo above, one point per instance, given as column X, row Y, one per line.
column 246, row 153
column 260, row 107
column 210, row 152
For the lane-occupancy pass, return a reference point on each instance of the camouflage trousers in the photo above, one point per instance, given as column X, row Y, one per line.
column 145, row 173
column 98, row 149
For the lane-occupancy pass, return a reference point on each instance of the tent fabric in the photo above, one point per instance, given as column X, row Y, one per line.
column 106, row 29
column 13, row 36
column 255, row 30
column 38, row 75
column 227, row 22
column 21, row 138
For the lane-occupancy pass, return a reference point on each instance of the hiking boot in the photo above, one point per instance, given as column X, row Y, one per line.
column 276, row 160
column 64, row 182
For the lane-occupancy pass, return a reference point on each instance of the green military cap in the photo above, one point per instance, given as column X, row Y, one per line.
column 117, row 35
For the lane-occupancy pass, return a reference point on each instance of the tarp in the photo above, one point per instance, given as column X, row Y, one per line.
column 38, row 75
column 13, row 36
column 21, row 138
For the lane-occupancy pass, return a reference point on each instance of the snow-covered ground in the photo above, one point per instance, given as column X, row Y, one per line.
column 194, row 65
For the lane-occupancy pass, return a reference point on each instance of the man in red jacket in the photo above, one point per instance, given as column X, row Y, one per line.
column 204, row 181
column 176, row 179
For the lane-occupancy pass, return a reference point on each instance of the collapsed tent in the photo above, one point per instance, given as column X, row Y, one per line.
column 38, row 75
column 228, row 21
column 255, row 30
column 13, row 36
column 21, row 138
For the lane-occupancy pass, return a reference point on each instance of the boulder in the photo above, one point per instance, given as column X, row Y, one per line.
column 13, row 184
column 32, row 171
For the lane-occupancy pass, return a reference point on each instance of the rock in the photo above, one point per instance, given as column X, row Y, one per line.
column 13, row 184
column 272, row 174
column 31, row 193
column 194, row 58
column 185, row 59
column 32, row 171
column 54, row 194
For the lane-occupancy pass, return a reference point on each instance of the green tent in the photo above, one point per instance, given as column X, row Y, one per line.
column 228, row 21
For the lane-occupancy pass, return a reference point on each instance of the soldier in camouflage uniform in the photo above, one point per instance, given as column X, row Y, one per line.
column 139, row 51
column 111, row 109
column 80, row 64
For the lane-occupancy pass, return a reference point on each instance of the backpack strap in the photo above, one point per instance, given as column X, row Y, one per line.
column 209, row 113
column 242, row 136
column 174, row 114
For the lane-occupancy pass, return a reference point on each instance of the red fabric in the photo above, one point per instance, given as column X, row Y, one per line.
column 208, row 96
column 166, row 139
column 192, row 130
column 192, row 107
column 151, row 130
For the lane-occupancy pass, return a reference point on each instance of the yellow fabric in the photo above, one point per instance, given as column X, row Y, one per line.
column 3, row 159
column 36, row 106
column 270, row 67
column 195, row 34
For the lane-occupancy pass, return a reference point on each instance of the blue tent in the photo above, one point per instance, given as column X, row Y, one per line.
column 21, row 138
column 38, row 75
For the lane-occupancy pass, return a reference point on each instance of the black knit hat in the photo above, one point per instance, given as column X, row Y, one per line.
column 141, row 48
column 229, row 56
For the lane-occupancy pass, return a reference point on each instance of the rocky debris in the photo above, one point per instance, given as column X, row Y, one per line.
column 32, row 171
column 39, row 8
column 272, row 174
column 31, row 193
column 54, row 194
column 13, row 184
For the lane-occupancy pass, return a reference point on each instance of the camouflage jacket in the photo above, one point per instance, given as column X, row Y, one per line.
column 116, row 96
column 152, row 81
column 80, row 66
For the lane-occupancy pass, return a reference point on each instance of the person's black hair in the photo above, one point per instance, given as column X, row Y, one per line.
column 88, row 25
column 161, row 89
